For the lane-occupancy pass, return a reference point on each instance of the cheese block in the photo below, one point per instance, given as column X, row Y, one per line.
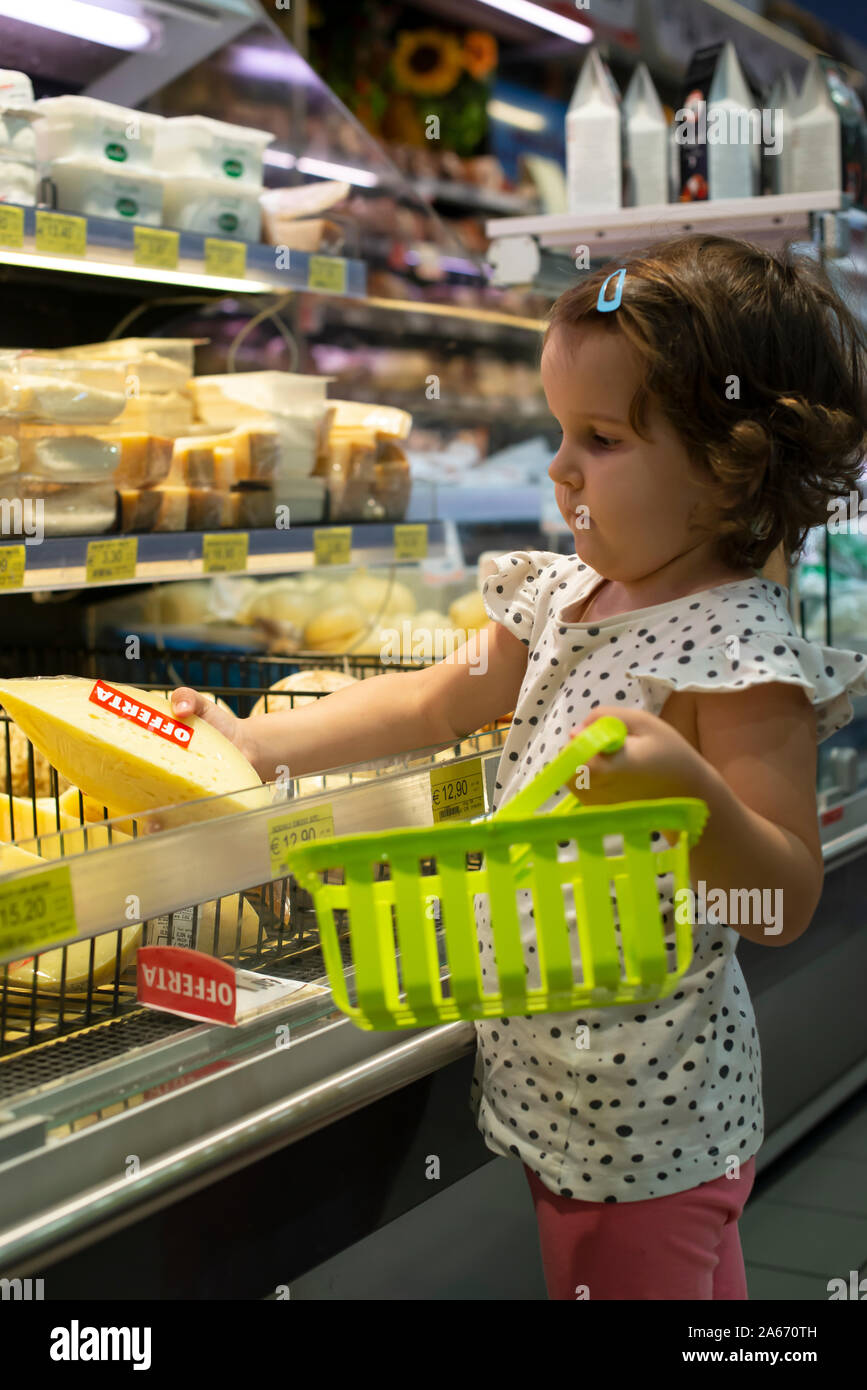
column 192, row 462
column 139, row 508
column 253, row 506
column 207, row 508
column 34, row 397
column 46, row 971
column 143, row 459
column 128, row 750
column 173, row 508
column 160, row 364
column 22, row 818
column 335, row 628
column 168, row 412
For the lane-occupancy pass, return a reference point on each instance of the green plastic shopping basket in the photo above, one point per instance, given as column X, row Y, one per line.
column 393, row 936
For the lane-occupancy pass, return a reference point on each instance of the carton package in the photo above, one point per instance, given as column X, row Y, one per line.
column 720, row 138
column 645, row 142
column 830, row 136
column 84, row 128
column 594, row 159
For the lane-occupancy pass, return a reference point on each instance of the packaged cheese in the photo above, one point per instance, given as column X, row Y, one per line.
column 322, row 682
column 10, row 459
column 207, row 509
column 74, row 509
column 69, row 458
column 236, row 398
column 56, row 399
column 127, row 750
column 144, row 459
column 172, row 509
column 156, row 364
column 139, row 509
column 15, row 773
column 169, row 412
column 23, row 817
column 192, row 462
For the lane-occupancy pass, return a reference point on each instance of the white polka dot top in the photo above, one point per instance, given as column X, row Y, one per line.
column 624, row 1103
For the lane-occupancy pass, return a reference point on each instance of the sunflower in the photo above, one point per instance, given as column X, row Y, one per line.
column 427, row 62
column 480, row 53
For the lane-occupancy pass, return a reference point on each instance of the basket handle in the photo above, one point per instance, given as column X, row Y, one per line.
column 604, row 735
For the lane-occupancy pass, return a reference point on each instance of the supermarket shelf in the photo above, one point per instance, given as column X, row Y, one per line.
column 61, row 562
column 204, row 860
column 110, row 252
column 773, row 218
column 467, row 195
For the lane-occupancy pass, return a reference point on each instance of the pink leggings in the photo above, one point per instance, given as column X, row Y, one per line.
column 685, row 1246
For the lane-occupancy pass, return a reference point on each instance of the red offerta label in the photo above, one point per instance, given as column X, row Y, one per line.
column 137, row 713
column 186, row 982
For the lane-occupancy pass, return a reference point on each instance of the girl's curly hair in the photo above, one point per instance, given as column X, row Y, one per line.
column 758, row 365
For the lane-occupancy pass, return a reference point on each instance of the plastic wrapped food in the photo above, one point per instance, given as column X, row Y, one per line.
column 56, row 399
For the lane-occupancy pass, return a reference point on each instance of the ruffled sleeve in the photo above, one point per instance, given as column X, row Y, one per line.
column 831, row 677
column 511, row 593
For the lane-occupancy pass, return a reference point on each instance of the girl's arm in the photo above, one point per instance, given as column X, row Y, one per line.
column 392, row 713
column 751, row 756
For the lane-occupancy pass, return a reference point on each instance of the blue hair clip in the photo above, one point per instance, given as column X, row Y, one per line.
column 606, row 307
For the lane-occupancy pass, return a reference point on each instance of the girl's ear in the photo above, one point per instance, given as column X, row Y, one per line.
column 776, row 569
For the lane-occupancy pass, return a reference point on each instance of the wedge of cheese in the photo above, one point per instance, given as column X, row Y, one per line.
column 23, row 819
column 46, row 971
column 126, row 749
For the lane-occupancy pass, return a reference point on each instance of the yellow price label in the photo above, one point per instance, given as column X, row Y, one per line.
column 37, row 911
column 113, row 559
column 228, row 258
column 222, row 553
column 11, row 225
column 61, row 234
column 13, row 558
column 154, row 247
column 457, row 792
column 294, row 829
column 410, row 542
column 327, row 273
column 332, row 546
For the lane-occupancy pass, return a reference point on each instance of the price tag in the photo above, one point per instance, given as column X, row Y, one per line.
column 222, row 554
column 114, row 559
column 297, row 828
column 154, row 247
column 410, row 542
column 332, row 546
column 457, row 792
column 227, row 258
column 37, row 910
column 11, row 225
column 61, row 234
column 12, row 561
column 327, row 273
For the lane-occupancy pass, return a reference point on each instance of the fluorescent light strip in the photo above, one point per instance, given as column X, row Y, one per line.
column 544, row 19
column 321, row 168
column 519, row 116
column 81, row 21
column 129, row 272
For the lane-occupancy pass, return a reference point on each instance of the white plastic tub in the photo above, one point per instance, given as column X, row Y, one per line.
column 17, row 137
column 84, row 128
column 212, row 207
column 98, row 189
column 202, row 148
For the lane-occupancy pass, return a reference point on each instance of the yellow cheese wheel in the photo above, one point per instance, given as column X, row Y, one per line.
column 47, row 970
column 23, row 819
column 321, row 681
column 335, row 629
column 468, row 611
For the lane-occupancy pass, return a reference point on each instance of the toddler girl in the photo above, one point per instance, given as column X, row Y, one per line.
column 708, row 419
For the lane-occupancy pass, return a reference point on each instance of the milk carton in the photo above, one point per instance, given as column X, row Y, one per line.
column 593, row 140
column 645, row 142
column 777, row 152
column 829, row 133
column 719, row 130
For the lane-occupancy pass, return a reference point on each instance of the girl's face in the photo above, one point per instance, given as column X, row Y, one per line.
column 643, row 496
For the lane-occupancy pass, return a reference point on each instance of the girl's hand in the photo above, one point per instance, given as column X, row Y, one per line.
column 186, row 702
column 655, row 761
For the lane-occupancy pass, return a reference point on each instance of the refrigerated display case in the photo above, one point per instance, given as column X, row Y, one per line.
column 147, row 1155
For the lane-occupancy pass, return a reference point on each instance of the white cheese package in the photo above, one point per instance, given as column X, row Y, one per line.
column 158, row 364
column 16, row 89
column 212, row 207
column 156, row 412
column 17, row 136
column 84, row 128
column 34, row 387
column 65, row 458
column 236, row 398
column 198, row 147
column 99, row 189
column 126, row 749
column 58, row 509
column 19, row 182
